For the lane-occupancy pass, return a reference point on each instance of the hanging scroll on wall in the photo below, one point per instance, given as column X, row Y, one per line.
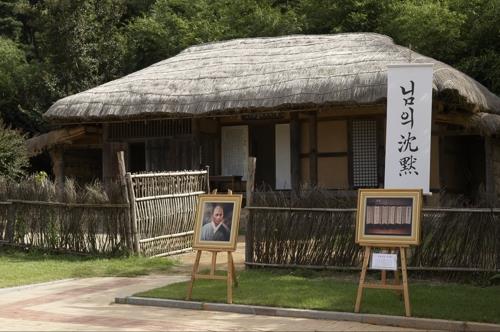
column 234, row 150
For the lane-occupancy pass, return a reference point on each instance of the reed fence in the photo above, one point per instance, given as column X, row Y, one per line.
column 85, row 219
column 4, row 208
column 453, row 240
column 82, row 228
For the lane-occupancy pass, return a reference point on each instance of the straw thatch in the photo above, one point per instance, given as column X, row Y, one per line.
column 244, row 75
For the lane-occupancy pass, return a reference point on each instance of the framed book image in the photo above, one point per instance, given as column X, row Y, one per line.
column 217, row 222
column 388, row 216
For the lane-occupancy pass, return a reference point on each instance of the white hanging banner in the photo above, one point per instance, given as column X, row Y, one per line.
column 408, row 131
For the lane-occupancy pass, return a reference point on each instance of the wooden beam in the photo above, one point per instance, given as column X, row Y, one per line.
column 37, row 144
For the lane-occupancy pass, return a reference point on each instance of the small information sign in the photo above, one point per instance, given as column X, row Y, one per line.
column 384, row 262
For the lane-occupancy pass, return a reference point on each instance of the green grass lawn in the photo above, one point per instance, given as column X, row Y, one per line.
column 334, row 292
column 21, row 268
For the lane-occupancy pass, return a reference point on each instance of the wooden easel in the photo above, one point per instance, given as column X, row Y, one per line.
column 230, row 278
column 399, row 287
column 231, row 271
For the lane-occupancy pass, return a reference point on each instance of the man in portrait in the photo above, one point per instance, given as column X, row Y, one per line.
column 216, row 229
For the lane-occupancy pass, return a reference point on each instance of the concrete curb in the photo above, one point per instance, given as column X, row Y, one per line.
column 408, row 322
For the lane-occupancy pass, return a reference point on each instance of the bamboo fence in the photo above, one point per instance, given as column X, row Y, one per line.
column 164, row 209
column 453, row 240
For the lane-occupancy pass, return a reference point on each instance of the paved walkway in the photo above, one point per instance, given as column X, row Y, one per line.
column 88, row 305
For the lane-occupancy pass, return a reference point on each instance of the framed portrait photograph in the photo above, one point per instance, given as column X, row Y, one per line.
column 217, row 222
column 389, row 216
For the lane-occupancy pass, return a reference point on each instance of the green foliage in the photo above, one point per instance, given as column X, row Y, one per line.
column 255, row 18
column 173, row 25
column 430, row 27
column 80, row 42
column 481, row 56
column 10, row 26
column 341, row 16
column 12, row 66
column 13, row 155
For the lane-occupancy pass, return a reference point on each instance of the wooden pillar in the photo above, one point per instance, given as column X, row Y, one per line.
column 218, row 153
column 295, row 150
column 442, row 171
column 195, row 144
column 57, row 157
column 489, row 173
column 110, row 171
column 313, row 149
column 106, row 156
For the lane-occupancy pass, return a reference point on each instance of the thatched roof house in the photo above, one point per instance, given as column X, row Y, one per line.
column 279, row 80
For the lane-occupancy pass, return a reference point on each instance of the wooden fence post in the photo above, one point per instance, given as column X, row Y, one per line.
column 249, row 236
column 11, row 223
column 125, row 197
column 135, row 232
column 207, row 167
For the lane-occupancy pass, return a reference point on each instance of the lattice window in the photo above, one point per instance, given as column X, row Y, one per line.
column 364, row 153
column 154, row 128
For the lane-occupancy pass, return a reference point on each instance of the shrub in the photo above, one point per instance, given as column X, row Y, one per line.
column 13, row 153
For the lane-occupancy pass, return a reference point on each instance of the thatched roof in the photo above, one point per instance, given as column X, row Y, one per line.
column 243, row 75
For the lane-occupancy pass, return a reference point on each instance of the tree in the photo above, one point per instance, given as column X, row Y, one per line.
column 481, row 33
column 430, row 27
column 13, row 154
column 10, row 26
column 341, row 16
column 14, row 70
column 173, row 25
column 80, row 42
column 255, row 18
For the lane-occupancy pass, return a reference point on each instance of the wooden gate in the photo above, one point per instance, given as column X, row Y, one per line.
column 163, row 210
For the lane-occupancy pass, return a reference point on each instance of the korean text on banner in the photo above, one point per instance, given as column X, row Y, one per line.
column 409, row 120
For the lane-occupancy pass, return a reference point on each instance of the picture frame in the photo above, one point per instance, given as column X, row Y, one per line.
column 217, row 222
column 389, row 217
